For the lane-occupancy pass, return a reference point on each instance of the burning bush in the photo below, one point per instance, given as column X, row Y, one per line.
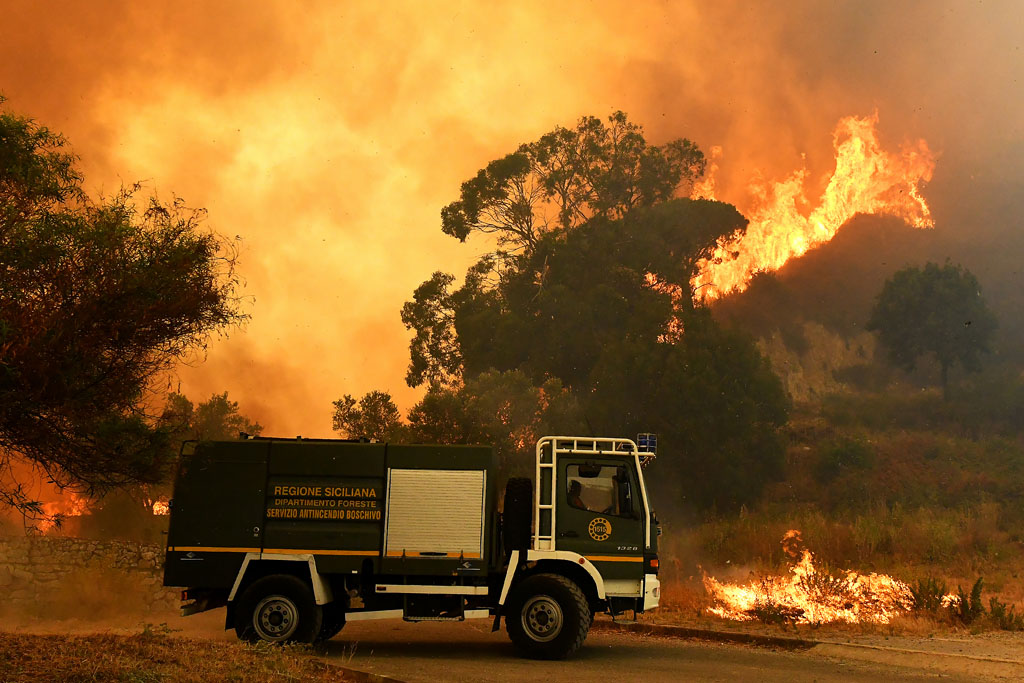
column 811, row 594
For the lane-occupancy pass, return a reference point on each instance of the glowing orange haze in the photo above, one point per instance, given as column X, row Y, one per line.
column 328, row 137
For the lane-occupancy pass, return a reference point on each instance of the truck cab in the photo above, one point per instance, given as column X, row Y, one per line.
column 297, row 537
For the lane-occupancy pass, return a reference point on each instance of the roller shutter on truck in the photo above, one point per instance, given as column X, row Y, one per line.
column 435, row 513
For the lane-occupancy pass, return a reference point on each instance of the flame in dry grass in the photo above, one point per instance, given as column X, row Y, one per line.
column 867, row 179
column 809, row 594
column 161, row 507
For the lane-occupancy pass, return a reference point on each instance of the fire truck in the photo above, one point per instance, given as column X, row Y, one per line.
column 296, row 537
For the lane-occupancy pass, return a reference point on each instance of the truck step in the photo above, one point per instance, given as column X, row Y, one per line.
column 456, row 618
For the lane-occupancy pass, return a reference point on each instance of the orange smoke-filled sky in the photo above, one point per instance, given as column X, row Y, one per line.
column 328, row 136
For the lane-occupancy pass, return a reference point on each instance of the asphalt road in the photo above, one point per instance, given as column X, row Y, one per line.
column 468, row 651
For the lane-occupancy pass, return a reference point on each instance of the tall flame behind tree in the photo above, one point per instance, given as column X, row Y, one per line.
column 867, row 179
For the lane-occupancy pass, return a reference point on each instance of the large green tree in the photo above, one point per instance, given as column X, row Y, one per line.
column 937, row 311
column 598, row 299
column 502, row 409
column 374, row 416
column 97, row 298
column 567, row 177
column 216, row 419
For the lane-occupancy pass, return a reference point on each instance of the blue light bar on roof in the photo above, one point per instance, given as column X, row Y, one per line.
column 647, row 443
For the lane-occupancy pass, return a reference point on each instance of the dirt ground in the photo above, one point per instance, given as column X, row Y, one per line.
column 469, row 651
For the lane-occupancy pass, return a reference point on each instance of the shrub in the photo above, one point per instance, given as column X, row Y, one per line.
column 928, row 594
column 967, row 608
column 1005, row 619
column 768, row 612
column 843, row 453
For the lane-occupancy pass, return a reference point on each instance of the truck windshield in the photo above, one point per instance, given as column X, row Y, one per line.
column 599, row 488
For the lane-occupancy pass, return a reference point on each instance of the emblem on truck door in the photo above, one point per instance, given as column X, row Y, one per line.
column 600, row 529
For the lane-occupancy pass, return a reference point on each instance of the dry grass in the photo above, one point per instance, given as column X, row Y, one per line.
column 152, row 656
column 911, row 487
column 737, row 550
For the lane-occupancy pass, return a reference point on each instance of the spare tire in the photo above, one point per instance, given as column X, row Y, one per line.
column 517, row 517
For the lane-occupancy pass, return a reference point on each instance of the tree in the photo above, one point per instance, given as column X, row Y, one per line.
column 933, row 310
column 715, row 402
column 581, row 291
column 97, row 298
column 593, row 170
column 435, row 357
column 600, row 273
column 375, row 416
column 128, row 510
column 216, row 419
column 599, row 302
column 502, row 409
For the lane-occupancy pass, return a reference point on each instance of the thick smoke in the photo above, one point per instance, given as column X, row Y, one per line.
column 328, row 136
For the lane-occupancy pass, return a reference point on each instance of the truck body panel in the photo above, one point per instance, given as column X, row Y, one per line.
column 214, row 526
column 330, row 499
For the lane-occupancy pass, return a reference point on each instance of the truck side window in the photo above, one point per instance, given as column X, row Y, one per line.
column 599, row 488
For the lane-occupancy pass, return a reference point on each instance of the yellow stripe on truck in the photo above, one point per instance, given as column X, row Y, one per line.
column 613, row 558
column 209, row 549
column 296, row 551
column 279, row 551
column 399, row 553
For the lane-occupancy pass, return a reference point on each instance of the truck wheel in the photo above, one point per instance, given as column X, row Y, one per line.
column 548, row 617
column 278, row 609
column 517, row 515
column 333, row 622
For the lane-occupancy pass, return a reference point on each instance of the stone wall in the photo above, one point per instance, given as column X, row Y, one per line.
column 44, row 575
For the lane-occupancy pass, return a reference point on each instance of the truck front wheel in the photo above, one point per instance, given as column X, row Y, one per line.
column 547, row 617
column 278, row 609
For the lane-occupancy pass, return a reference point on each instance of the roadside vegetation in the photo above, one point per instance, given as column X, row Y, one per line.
column 927, row 490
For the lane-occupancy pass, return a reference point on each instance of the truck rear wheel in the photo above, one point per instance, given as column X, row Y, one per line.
column 278, row 609
column 548, row 617
column 333, row 621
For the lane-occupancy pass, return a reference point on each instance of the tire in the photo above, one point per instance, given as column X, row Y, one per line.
column 548, row 617
column 278, row 609
column 333, row 621
column 517, row 516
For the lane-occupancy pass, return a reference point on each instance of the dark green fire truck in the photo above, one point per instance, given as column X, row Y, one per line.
column 295, row 537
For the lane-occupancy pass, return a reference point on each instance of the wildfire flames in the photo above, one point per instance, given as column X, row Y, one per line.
column 867, row 179
column 808, row 595
column 161, row 507
column 69, row 505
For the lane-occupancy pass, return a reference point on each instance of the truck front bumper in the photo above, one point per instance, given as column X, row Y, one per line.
column 652, row 591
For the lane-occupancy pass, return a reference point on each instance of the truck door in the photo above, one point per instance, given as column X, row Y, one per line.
column 599, row 514
column 217, row 513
